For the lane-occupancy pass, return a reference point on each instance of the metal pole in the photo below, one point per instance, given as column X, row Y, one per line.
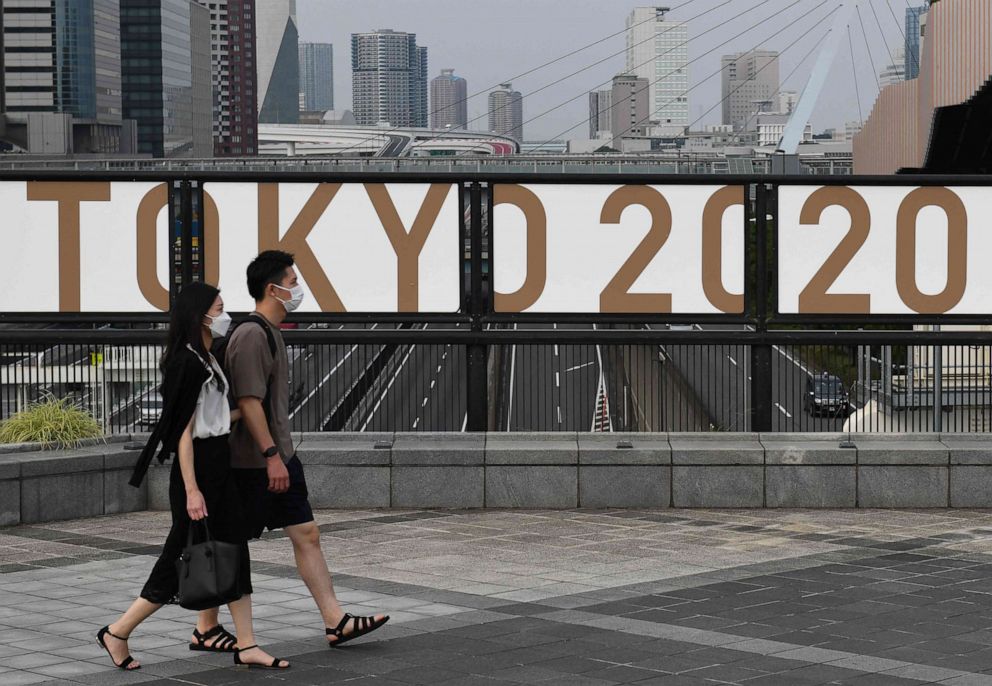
column 761, row 355
column 186, row 245
column 938, row 385
column 477, row 378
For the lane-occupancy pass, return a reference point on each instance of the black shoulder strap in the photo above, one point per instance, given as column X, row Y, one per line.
column 220, row 353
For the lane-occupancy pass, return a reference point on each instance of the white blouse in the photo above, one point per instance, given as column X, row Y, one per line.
column 213, row 412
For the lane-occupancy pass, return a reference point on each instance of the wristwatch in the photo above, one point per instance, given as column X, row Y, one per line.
column 271, row 451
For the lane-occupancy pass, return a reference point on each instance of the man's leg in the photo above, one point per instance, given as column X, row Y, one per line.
column 313, row 569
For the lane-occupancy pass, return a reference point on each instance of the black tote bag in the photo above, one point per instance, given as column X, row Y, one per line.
column 208, row 572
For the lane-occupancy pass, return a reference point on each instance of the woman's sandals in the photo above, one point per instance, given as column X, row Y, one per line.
column 125, row 664
column 361, row 626
column 275, row 664
column 225, row 641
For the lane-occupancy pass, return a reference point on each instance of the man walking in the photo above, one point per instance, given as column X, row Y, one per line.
column 267, row 470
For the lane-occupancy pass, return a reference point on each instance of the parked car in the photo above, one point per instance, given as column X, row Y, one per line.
column 149, row 410
column 825, row 394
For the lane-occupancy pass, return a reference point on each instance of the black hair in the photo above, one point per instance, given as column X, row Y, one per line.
column 269, row 267
column 186, row 320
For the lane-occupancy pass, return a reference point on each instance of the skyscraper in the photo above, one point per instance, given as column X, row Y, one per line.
column 163, row 70
column 316, row 77
column 895, row 72
column 62, row 56
column 912, row 60
column 747, row 78
column 449, row 101
column 506, row 112
column 600, row 106
column 629, row 111
column 232, row 43
column 657, row 51
column 277, row 62
column 389, row 78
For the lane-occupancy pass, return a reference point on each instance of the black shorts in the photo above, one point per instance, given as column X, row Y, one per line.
column 270, row 510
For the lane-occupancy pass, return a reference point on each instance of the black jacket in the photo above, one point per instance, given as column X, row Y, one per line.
column 181, row 383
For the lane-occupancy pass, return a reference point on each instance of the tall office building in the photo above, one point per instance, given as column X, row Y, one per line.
column 449, row 101
column 630, row 112
column 895, row 72
column 506, row 112
column 165, row 70
column 60, row 77
column 232, row 46
column 277, row 62
column 62, row 56
column 912, row 47
column 657, row 50
column 600, row 106
column 316, row 77
column 389, row 78
column 747, row 78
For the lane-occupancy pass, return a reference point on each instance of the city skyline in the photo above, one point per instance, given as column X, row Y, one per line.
column 515, row 33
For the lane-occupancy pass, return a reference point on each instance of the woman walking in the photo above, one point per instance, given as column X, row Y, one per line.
column 194, row 424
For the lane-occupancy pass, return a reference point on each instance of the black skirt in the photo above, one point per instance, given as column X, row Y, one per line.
column 212, row 466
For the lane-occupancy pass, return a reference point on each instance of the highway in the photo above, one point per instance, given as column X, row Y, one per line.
column 422, row 388
column 720, row 376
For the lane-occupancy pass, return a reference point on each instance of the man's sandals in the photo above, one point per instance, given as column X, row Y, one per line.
column 225, row 641
column 360, row 627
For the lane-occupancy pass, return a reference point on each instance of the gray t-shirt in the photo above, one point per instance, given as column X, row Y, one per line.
column 250, row 368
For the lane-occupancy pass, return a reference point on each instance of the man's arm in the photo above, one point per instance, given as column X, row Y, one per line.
column 253, row 415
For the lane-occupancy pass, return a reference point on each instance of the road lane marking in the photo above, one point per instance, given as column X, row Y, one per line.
column 783, row 411
column 382, row 397
column 579, row 366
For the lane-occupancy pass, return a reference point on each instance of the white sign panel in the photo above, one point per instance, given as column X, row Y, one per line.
column 84, row 247
column 618, row 249
column 358, row 247
column 884, row 250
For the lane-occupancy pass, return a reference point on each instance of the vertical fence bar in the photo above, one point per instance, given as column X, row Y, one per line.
column 761, row 355
column 186, row 231
column 477, row 391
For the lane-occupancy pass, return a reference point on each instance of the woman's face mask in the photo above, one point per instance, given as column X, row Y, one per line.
column 220, row 324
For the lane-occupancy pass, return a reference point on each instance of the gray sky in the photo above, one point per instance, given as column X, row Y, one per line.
column 487, row 42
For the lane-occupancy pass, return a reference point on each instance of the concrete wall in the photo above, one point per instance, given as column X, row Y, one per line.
column 549, row 470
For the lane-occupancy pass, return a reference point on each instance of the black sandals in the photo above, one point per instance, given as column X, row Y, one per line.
column 226, row 642
column 273, row 665
column 125, row 664
column 362, row 626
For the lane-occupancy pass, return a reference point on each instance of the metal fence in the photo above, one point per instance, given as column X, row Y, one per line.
column 384, row 377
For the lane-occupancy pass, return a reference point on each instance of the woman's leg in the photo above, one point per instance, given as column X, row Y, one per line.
column 139, row 611
column 241, row 612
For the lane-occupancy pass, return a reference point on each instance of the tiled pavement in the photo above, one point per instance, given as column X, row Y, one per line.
column 577, row 598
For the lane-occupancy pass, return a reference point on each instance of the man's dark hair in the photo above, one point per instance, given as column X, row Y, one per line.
column 269, row 267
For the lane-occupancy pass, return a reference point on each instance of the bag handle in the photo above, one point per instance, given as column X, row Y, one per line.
column 189, row 532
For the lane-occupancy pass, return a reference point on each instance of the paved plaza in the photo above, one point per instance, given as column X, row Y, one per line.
column 571, row 598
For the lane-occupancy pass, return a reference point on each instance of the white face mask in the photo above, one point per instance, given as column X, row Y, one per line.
column 220, row 324
column 295, row 297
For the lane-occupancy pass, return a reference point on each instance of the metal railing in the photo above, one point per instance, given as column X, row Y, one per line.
column 387, row 378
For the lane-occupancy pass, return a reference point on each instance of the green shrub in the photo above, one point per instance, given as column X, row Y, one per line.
column 54, row 421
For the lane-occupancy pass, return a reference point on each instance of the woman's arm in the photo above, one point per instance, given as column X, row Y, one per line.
column 195, row 505
column 235, row 415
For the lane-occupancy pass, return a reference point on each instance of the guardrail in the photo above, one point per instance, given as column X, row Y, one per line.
column 647, row 378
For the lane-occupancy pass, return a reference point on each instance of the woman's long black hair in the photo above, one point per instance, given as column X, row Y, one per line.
column 186, row 320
